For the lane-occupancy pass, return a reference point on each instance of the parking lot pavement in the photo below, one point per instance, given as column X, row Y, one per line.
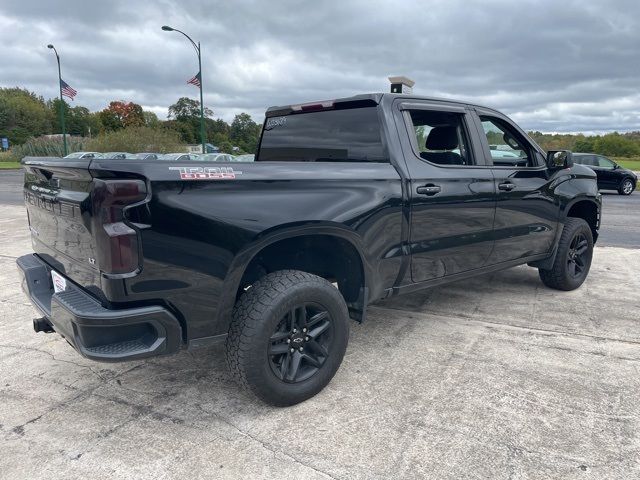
column 620, row 220
column 495, row 377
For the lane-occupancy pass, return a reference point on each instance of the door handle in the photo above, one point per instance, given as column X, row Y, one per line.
column 429, row 189
column 506, row 186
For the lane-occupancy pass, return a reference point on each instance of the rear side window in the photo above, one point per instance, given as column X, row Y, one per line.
column 349, row 135
column 440, row 137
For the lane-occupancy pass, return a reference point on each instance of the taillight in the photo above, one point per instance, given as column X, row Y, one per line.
column 116, row 242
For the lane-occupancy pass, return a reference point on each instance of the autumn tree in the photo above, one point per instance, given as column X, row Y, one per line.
column 121, row 114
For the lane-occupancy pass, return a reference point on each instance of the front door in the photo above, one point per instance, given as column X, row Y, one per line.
column 451, row 193
column 526, row 214
column 605, row 170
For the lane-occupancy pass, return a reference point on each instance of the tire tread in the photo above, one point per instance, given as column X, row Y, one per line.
column 555, row 277
column 249, row 313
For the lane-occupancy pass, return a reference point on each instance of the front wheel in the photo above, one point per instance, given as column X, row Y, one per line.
column 626, row 187
column 573, row 257
column 288, row 336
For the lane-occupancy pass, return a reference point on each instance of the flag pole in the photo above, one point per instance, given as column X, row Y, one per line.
column 201, row 101
column 64, row 132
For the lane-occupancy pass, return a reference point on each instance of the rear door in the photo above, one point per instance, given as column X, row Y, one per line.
column 526, row 213
column 452, row 195
column 57, row 198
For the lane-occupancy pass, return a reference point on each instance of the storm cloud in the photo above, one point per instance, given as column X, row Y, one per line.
column 550, row 65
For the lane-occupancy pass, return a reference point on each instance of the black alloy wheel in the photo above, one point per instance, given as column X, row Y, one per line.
column 301, row 343
column 577, row 259
column 573, row 256
column 288, row 336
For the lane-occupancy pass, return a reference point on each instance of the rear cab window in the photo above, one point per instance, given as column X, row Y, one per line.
column 332, row 135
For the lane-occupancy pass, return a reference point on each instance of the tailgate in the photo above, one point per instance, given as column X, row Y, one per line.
column 57, row 195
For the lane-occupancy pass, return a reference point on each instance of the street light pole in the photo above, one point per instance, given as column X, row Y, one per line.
column 196, row 46
column 64, row 133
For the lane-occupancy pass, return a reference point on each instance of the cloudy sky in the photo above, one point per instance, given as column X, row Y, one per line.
column 558, row 65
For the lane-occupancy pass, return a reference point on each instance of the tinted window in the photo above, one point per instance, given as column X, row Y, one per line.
column 586, row 160
column 605, row 162
column 350, row 135
column 506, row 146
column 440, row 137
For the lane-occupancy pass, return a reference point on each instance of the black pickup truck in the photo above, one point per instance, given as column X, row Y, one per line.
column 348, row 201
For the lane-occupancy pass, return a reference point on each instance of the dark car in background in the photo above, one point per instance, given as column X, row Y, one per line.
column 611, row 176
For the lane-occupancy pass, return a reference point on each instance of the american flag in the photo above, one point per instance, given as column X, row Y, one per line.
column 67, row 91
column 195, row 80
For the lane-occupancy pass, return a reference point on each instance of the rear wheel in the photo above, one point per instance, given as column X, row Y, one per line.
column 288, row 336
column 626, row 187
column 573, row 257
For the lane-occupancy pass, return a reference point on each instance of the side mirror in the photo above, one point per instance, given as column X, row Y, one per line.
column 559, row 159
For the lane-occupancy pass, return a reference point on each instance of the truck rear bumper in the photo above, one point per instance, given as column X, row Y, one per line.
column 96, row 332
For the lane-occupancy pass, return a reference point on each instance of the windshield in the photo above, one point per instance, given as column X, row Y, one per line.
column 349, row 135
column 75, row 155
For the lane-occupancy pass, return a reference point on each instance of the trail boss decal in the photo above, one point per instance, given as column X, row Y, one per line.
column 206, row 173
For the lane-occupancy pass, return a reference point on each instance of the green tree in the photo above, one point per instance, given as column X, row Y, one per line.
column 150, row 119
column 23, row 114
column 584, row 144
column 614, row 144
column 109, row 120
column 244, row 132
column 185, row 129
column 186, row 108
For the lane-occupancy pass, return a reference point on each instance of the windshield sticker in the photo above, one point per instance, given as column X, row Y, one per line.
column 275, row 122
column 206, row 173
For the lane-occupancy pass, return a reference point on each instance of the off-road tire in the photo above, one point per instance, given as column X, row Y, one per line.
column 559, row 276
column 259, row 311
column 626, row 186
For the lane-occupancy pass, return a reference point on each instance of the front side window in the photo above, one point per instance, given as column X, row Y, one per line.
column 346, row 135
column 506, row 146
column 440, row 137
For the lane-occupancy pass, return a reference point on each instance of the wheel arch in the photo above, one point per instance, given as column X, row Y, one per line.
column 588, row 209
column 306, row 248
